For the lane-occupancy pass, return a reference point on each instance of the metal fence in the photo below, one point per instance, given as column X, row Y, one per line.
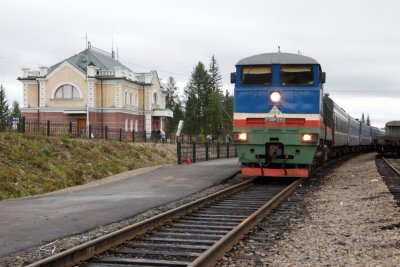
column 188, row 150
column 204, row 151
column 72, row 129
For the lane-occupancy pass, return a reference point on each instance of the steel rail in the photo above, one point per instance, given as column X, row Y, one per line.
column 99, row 245
column 217, row 251
column 396, row 171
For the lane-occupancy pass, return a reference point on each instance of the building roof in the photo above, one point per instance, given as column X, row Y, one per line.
column 94, row 57
column 393, row 123
column 277, row 58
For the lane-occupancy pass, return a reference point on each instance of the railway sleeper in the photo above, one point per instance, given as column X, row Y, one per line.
column 138, row 262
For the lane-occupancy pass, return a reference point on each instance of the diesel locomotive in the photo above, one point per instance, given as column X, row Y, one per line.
column 284, row 125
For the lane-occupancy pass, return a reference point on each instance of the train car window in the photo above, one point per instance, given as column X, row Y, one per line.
column 256, row 75
column 297, row 75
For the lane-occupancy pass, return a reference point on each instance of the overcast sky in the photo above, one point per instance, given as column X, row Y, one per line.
column 356, row 42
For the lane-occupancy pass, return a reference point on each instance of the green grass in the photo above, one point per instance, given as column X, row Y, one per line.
column 31, row 165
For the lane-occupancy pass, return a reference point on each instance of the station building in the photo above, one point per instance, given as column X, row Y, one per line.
column 93, row 87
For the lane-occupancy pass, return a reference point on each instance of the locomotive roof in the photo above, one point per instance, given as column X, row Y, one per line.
column 277, row 58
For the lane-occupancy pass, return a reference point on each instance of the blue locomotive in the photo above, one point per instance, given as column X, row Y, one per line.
column 284, row 125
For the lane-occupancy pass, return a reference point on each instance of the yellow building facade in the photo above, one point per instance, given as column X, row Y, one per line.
column 94, row 88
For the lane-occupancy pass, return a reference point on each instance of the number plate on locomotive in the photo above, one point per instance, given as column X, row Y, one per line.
column 274, row 119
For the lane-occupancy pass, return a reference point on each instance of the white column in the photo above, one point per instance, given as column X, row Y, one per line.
column 91, row 93
column 118, row 95
column 148, row 124
column 25, row 99
column 42, row 94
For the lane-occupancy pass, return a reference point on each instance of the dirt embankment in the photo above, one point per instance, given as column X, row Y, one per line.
column 31, row 165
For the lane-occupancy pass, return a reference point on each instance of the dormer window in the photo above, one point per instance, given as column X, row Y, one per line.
column 67, row 91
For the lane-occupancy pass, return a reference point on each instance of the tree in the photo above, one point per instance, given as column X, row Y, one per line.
column 213, row 116
column 215, row 76
column 173, row 102
column 197, row 94
column 15, row 112
column 4, row 111
column 192, row 114
column 228, row 113
column 171, row 91
column 368, row 120
column 363, row 118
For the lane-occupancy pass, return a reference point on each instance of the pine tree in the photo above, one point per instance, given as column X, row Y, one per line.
column 213, row 117
column 15, row 112
column 363, row 118
column 197, row 94
column 215, row 106
column 173, row 103
column 228, row 113
column 215, row 76
column 171, row 91
column 368, row 120
column 192, row 115
column 4, row 111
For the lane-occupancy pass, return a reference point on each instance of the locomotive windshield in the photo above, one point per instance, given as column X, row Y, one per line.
column 297, row 75
column 256, row 75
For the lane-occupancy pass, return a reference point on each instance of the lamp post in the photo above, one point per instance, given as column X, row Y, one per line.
column 87, row 101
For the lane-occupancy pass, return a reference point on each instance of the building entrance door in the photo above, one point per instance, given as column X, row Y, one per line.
column 81, row 126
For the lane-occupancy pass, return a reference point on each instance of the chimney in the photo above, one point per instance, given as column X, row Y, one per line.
column 25, row 72
column 43, row 71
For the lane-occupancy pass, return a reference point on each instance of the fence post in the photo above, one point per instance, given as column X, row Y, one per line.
column 133, row 136
column 227, row 150
column 105, row 132
column 120, row 134
column 207, row 145
column 23, row 125
column 48, row 128
column 179, row 152
column 90, row 131
column 218, row 149
column 194, row 152
column 70, row 128
column 145, row 137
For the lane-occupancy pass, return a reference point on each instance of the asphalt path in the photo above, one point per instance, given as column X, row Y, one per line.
column 28, row 222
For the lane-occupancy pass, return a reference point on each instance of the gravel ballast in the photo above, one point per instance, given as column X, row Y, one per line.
column 351, row 219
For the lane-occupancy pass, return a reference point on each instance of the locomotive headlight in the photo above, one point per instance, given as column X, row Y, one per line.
column 275, row 97
column 309, row 138
column 240, row 137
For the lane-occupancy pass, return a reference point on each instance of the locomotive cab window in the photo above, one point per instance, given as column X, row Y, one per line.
column 297, row 75
column 256, row 75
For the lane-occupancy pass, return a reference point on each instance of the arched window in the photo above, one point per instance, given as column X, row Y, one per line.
column 155, row 98
column 67, row 91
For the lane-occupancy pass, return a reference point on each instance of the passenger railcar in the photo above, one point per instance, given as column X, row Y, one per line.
column 284, row 125
column 389, row 142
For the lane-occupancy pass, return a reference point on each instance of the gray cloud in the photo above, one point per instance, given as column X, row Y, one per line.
column 355, row 41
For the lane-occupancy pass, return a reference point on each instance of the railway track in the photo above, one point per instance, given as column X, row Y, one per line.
column 393, row 182
column 196, row 234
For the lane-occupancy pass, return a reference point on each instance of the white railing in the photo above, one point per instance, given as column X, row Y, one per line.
column 34, row 73
column 106, row 72
column 120, row 73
